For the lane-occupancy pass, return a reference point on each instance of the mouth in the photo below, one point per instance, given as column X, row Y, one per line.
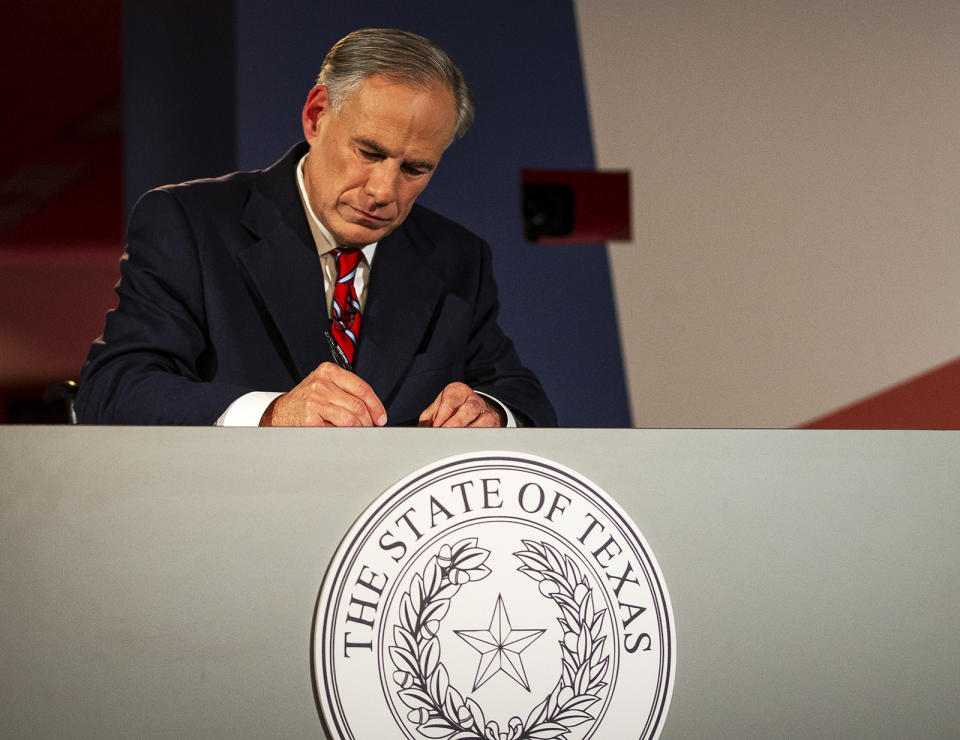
column 368, row 219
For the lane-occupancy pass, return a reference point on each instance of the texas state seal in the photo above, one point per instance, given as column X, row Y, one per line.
column 493, row 596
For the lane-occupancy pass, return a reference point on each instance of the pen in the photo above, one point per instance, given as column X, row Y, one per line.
column 338, row 356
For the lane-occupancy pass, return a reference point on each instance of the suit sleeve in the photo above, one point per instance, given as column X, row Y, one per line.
column 150, row 364
column 493, row 366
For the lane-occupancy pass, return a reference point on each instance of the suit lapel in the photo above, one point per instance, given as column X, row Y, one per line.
column 283, row 270
column 282, row 266
column 402, row 299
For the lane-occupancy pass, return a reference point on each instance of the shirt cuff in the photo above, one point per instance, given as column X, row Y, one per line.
column 247, row 410
column 511, row 419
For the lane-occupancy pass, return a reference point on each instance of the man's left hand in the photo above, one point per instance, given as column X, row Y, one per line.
column 458, row 405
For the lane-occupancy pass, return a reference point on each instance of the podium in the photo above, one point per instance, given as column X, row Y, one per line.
column 161, row 583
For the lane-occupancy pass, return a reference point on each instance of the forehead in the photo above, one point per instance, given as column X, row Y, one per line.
column 397, row 115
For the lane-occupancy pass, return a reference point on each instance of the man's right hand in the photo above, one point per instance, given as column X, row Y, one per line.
column 328, row 397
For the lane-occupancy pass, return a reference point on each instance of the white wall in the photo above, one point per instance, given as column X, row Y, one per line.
column 796, row 189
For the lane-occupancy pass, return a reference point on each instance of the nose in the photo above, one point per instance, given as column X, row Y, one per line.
column 382, row 183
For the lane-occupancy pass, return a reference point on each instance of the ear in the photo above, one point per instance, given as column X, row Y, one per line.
column 316, row 107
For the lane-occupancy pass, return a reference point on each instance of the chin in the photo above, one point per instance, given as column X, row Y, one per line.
column 359, row 236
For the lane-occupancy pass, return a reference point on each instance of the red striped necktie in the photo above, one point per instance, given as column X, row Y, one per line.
column 345, row 311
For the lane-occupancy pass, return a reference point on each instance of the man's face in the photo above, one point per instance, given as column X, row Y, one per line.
column 368, row 164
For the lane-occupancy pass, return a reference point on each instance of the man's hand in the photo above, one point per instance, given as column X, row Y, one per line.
column 458, row 405
column 328, row 397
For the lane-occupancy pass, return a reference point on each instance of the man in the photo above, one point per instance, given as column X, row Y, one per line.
column 226, row 314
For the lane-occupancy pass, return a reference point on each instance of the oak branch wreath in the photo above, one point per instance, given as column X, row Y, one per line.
column 436, row 708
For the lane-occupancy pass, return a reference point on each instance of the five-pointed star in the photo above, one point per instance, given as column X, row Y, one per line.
column 499, row 646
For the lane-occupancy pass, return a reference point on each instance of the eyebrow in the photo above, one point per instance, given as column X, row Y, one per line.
column 373, row 146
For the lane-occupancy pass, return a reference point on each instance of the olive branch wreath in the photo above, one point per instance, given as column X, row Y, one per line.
column 436, row 707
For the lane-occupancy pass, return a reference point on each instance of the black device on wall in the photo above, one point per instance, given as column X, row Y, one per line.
column 568, row 206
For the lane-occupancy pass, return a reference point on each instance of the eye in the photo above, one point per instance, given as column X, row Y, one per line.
column 414, row 171
column 370, row 155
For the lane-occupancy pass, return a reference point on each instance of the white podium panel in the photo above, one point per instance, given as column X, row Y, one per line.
column 161, row 583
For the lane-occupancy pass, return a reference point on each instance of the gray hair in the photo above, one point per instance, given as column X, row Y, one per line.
column 398, row 56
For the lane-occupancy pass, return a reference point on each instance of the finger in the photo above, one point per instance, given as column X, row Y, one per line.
column 352, row 389
column 427, row 416
column 486, row 418
column 313, row 415
column 343, row 410
column 339, row 407
column 468, row 412
column 451, row 399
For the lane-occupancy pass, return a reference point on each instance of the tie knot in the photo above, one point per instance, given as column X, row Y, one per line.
column 347, row 259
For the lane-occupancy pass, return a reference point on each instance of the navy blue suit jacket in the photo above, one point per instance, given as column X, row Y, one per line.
column 221, row 293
